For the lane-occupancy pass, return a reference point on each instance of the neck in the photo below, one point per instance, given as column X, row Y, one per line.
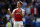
column 19, row 7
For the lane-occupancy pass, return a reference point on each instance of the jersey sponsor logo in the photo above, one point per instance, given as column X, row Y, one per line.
column 17, row 13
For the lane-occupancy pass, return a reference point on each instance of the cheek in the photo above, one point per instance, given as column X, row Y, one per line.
column 18, row 5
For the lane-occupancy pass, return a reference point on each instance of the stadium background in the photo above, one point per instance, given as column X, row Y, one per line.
column 12, row 4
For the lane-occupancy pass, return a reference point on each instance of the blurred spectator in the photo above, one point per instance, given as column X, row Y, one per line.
column 31, row 4
column 7, row 16
column 16, row 1
column 2, row 22
column 36, row 3
column 32, row 17
column 9, row 23
column 4, row 11
column 33, row 0
column 6, row 6
column 1, row 4
column 28, row 22
column 12, row 22
column 5, row 20
column 13, row 4
column 32, row 20
column 9, row 1
column 35, row 12
column 38, row 0
column 24, row 4
column 28, row 9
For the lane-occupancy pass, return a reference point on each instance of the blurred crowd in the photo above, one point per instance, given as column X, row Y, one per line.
column 32, row 7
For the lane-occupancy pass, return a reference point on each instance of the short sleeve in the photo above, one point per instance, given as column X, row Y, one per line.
column 23, row 11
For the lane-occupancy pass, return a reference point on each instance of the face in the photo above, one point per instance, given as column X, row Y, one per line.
column 18, row 4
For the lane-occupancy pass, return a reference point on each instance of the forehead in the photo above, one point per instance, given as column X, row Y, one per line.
column 18, row 2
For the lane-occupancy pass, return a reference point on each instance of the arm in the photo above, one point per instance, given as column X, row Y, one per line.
column 10, row 13
column 22, row 13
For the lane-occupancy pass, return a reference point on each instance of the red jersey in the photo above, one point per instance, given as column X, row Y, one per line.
column 17, row 15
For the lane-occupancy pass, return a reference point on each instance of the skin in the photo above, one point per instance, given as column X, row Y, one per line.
column 19, row 6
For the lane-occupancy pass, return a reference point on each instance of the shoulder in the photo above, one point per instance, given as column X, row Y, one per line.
column 22, row 9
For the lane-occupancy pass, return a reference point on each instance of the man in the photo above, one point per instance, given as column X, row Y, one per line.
column 28, row 9
column 9, row 23
column 7, row 16
column 19, row 14
column 35, row 12
column 27, row 21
